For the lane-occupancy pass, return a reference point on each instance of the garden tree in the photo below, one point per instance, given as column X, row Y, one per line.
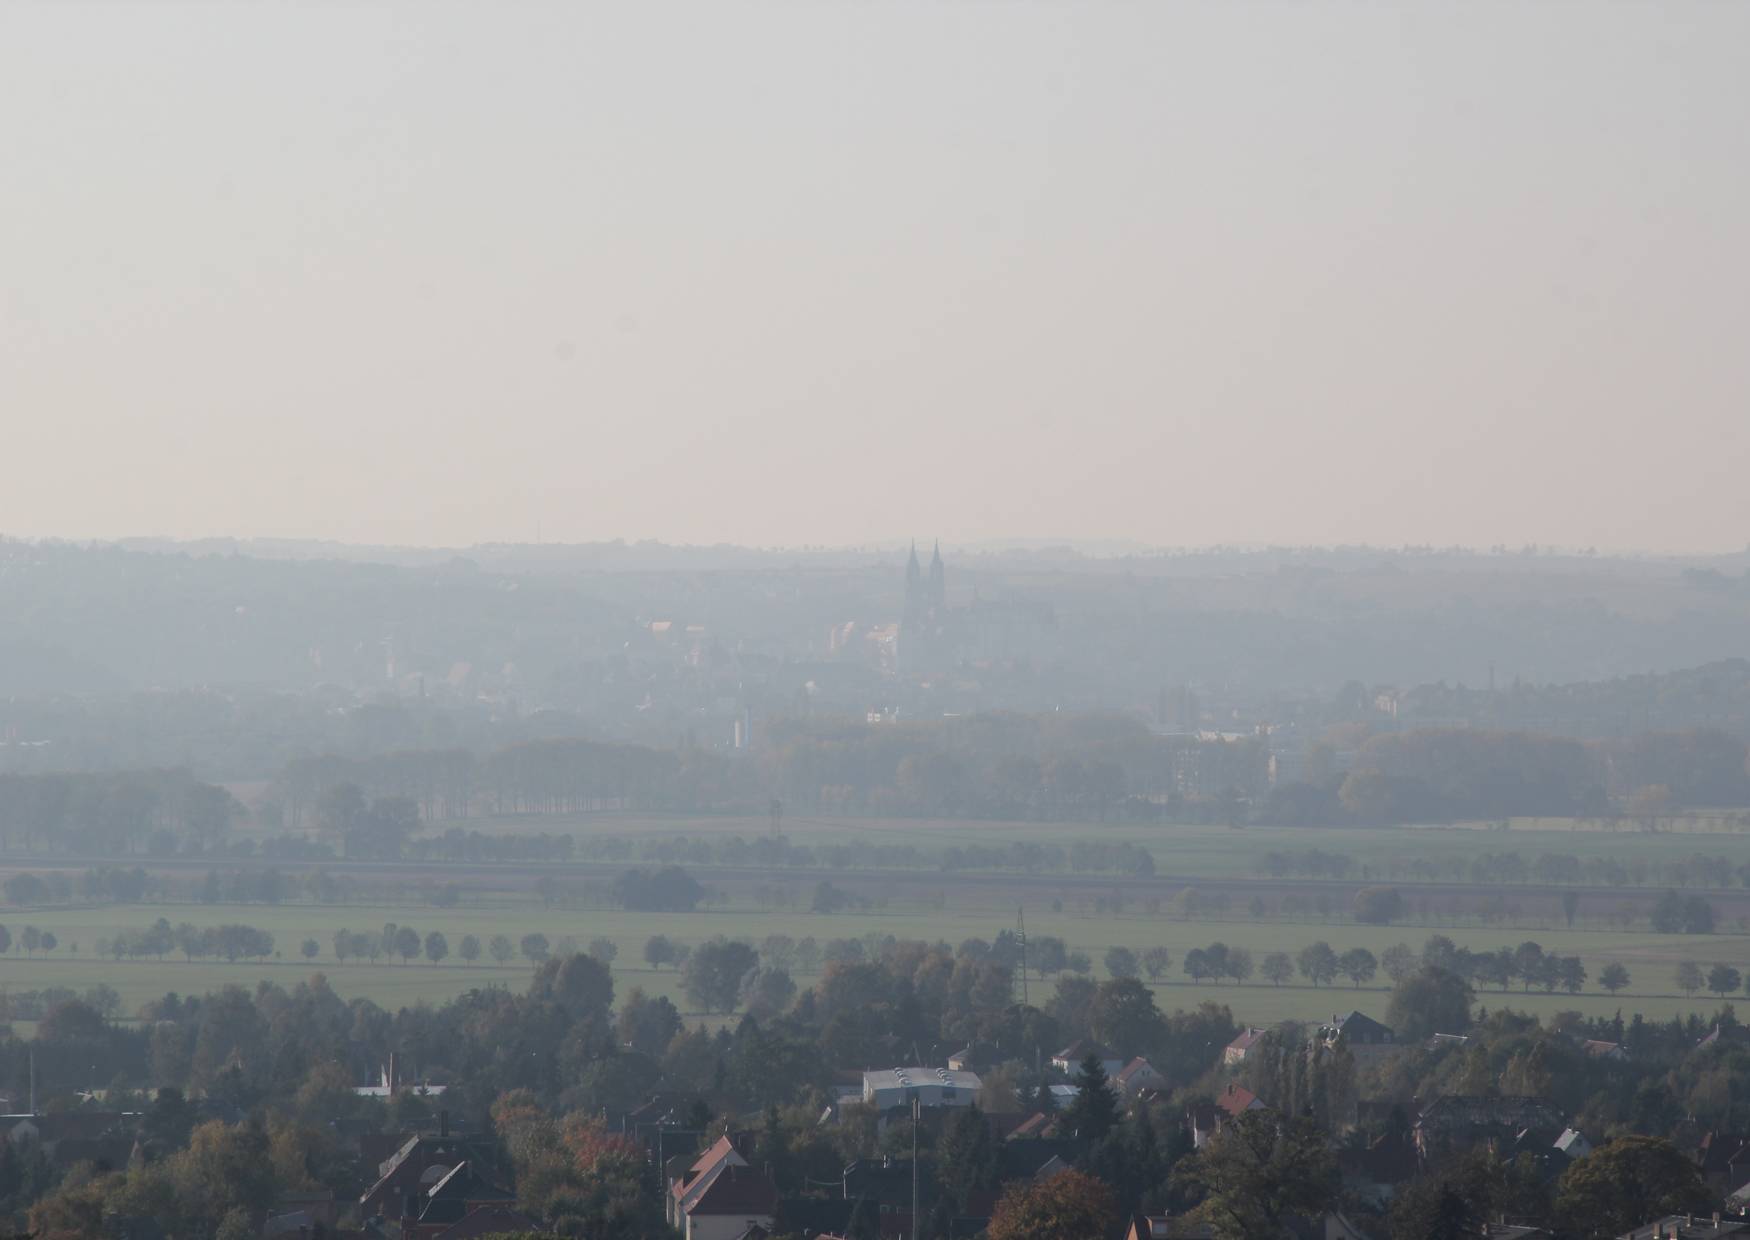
column 1614, row 977
column 1155, row 962
column 1622, row 1184
column 1237, row 964
column 574, row 1174
column 966, row 1156
column 1277, row 968
column 579, row 984
column 647, row 1025
column 1197, row 965
column 213, row 1187
column 1094, row 1112
column 1071, row 1004
column 1452, row 1201
column 766, row 992
column 1529, row 1073
column 658, row 951
column 469, row 948
column 603, row 950
column 712, row 978
column 1123, row 1015
column 407, row 943
column 1378, row 906
column 1068, row 1206
column 1429, row 1001
column 1430, row 1209
column 1121, row 962
column 1723, row 979
column 535, row 948
column 1047, row 954
column 32, row 938
column 1317, row 963
column 1358, row 965
column 436, row 946
column 501, row 949
column 1260, row 1171
column 1078, row 962
column 1689, row 977
column 310, row 948
column 1398, row 961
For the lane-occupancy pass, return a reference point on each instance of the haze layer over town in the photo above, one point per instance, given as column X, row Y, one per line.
column 874, row 622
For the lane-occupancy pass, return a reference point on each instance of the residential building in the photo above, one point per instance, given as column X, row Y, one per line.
column 1237, row 1050
column 1458, row 1122
column 1137, row 1077
column 1364, row 1036
column 931, row 1087
column 1069, row 1059
column 687, row 1182
column 736, row 1200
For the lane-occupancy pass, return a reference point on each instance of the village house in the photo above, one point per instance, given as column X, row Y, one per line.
column 719, row 1196
column 1457, row 1122
column 1069, row 1060
column 1364, row 1036
column 1237, row 1050
column 1137, row 1077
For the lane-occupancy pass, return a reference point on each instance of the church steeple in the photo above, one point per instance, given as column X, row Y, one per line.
column 938, row 580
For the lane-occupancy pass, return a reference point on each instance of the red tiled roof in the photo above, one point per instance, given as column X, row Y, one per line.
column 1236, row 1099
column 1246, row 1039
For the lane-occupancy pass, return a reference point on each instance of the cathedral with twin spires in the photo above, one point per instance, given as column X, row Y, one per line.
column 925, row 642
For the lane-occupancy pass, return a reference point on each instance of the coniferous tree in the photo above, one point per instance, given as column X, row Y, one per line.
column 1095, row 1110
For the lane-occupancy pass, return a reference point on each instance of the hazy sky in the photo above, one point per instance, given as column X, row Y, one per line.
column 843, row 272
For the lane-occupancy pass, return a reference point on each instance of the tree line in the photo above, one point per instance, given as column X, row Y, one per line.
column 1492, row 869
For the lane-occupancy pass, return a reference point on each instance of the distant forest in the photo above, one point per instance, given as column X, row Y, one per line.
column 1092, row 768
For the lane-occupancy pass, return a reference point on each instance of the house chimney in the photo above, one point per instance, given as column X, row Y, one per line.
column 392, row 1074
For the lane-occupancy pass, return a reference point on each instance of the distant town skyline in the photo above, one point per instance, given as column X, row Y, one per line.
column 780, row 275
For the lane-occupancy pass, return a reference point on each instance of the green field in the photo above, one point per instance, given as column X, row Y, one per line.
column 931, row 906
column 1649, row 957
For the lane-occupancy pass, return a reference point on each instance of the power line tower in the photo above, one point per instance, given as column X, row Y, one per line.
column 1021, row 941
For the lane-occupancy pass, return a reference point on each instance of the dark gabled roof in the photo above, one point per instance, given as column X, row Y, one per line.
column 1360, row 1023
column 82, row 1124
column 1081, row 1048
column 1391, row 1159
column 1018, row 1160
column 488, row 1221
column 1459, row 1111
column 1718, row 1150
column 737, row 1190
